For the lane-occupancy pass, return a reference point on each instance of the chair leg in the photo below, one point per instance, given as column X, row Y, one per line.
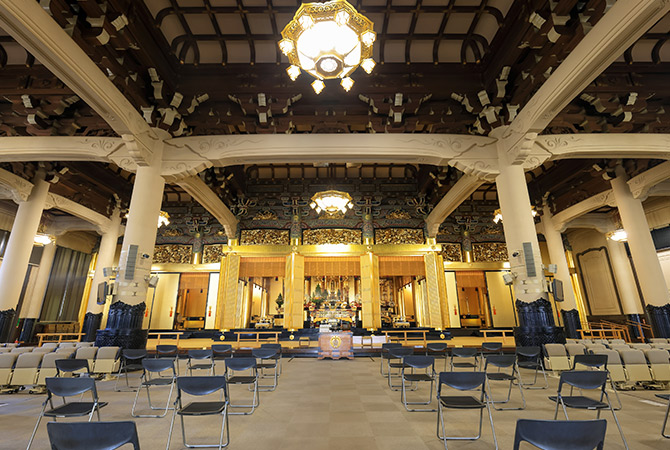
column 39, row 418
column 254, row 404
column 493, row 430
column 616, row 420
column 171, row 427
column 403, row 398
column 665, row 422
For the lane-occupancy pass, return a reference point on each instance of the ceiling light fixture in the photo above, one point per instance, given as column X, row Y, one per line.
column 331, row 202
column 328, row 40
column 163, row 218
column 619, row 235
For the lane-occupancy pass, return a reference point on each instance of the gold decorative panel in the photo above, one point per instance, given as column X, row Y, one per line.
column 399, row 236
column 452, row 252
column 398, row 214
column 173, row 253
column 265, row 215
column 331, row 236
column 264, row 237
column 489, row 252
column 212, row 253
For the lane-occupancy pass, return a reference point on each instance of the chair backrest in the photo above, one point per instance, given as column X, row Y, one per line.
column 555, row 350
column 29, row 360
column 68, row 387
column 657, row 356
column 134, row 353
column 7, row 360
column 463, row 381
column 437, row 347
column 418, row 361
column 561, row 434
column 49, row 360
column 593, row 361
column 202, row 385
column 492, row 346
column 595, row 348
column 575, row 349
column 613, row 357
column 583, row 379
column 50, row 345
column 22, row 349
column 502, row 361
column 72, row 365
column 158, row 365
column 86, row 352
column 640, row 346
column 464, row 352
column 200, row 353
column 167, row 350
column 92, row 435
column 658, row 340
column 400, row 352
column 241, row 363
column 66, row 345
column 83, row 344
column 108, row 353
column 264, row 352
column 633, row 357
column 617, row 341
column 224, row 350
column 43, row 350
column 270, row 345
column 387, row 345
column 528, row 352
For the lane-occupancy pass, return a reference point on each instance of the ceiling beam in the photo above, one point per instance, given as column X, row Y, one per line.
column 202, row 193
column 458, row 193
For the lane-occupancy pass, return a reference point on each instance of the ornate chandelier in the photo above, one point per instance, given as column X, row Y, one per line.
column 331, row 202
column 328, row 40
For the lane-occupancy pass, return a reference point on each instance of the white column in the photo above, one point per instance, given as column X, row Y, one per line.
column 141, row 227
column 557, row 256
column 20, row 244
column 106, row 254
column 625, row 280
column 519, row 228
column 32, row 307
column 647, row 265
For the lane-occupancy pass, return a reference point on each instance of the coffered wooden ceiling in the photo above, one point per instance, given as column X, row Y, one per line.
column 196, row 67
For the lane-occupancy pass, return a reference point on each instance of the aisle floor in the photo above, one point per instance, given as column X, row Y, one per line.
column 335, row 405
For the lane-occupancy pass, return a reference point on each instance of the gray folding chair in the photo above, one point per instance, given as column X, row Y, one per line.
column 561, row 434
column 200, row 360
column 92, row 435
column 233, row 367
column 157, row 367
column 501, row 362
column 417, row 369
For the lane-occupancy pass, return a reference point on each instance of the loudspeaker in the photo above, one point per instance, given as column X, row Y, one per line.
column 102, row 293
column 153, row 281
column 508, row 278
column 557, row 290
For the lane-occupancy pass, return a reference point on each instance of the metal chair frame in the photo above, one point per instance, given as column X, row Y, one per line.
column 278, row 357
column 667, row 412
column 527, row 363
column 464, row 352
column 384, row 356
column 596, row 362
column 240, row 364
column 200, row 355
column 169, row 351
column 68, row 387
column 267, row 354
column 588, row 380
column 414, row 363
column 397, row 353
column 197, row 386
column 503, row 362
column 221, row 352
column 126, row 356
column 438, row 350
column 157, row 366
column 463, row 381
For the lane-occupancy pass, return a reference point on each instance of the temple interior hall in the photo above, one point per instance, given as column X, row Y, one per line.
column 334, row 224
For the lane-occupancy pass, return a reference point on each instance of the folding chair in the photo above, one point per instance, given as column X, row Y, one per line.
column 221, row 352
column 463, row 381
column 278, row 356
column 397, row 353
column 205, row 358
column 587, row 380
column 198, row 386
column 530, row 358
column 240, row 365
column 25, row 370
column 69, row 387
column 415, row 369
column 43, row 349
column 48, row 368
column 266, row 354
column 595, row 362
column 575, row 349
column 464, row 353
column 169, row 351
column 561, row 434
column 438, row 350
column 490, row 348
column 384, row 356
column 155, row 366
column 667, row 412
column 72, row 367
column 503, row 362
column 659, row 363
column 635, row 363
column 92, row 435
column 556, row 357
column 130, row 360
column 7, row 361
column 87, row 353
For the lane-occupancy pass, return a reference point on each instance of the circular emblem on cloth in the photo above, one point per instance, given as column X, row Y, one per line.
column 335, row 342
